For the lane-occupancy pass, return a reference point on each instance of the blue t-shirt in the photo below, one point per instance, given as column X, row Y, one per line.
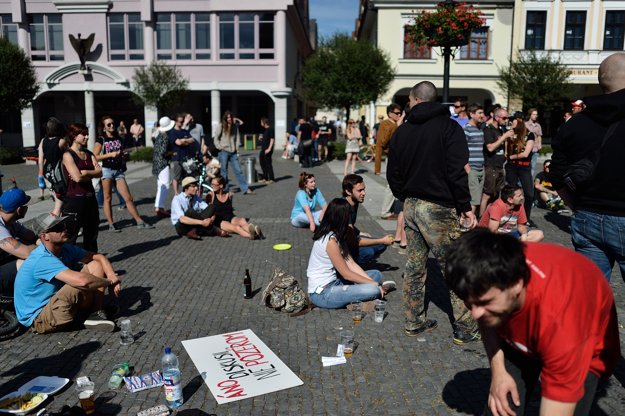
column 182, row 152
column 35, row 283
column 302, row 199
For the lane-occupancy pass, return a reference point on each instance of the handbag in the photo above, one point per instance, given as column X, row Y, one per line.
column 580, row 173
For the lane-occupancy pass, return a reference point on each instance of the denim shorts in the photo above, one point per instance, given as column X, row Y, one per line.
column 115, row 174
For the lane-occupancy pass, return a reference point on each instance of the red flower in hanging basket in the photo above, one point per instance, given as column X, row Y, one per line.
column 445, row 26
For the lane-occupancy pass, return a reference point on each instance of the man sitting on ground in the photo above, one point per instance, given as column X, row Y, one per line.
column 544, row 312
column 16, row 241
column 191, row 216
column 545, row 194
column 50, row 296
column 507, row 216
column 363, row 247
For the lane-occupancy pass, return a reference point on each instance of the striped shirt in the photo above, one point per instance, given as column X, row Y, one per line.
column 475, row 141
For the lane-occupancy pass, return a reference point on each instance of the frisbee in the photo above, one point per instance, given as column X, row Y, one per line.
column 282, row 246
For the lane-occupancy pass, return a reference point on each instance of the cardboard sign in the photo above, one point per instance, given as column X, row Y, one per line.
column 238, row 365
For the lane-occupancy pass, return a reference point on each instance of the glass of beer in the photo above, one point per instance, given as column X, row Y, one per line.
column 347, row 340
column 86, row 396
column 357, row 312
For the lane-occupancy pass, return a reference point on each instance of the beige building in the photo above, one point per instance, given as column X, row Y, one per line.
column 473, row 70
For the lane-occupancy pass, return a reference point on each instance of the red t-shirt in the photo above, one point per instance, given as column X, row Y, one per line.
column 508, row 218
column 568, row 321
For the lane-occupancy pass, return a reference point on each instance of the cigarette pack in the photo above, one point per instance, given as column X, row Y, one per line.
column 143, row 382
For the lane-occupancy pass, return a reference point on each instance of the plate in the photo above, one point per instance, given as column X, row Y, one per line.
column 282, row 246
column 26, row 411
column 45, row 384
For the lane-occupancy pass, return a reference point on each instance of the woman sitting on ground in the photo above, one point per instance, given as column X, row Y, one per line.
column 334, row 278
column 307, row 199
column 224, row 212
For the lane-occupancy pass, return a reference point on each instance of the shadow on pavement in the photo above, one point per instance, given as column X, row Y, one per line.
column 141, row 248
column 563, row 222
column 436, row 289
column 195, row 412
column 468, row 391
column 189, row 390
column 136, row 294
column 65, row 364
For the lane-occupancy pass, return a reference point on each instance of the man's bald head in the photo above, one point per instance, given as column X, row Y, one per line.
column 612, row 73
column 425, row 91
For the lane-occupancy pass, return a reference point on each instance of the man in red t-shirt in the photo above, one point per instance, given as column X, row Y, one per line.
column 507, row 216
column 543, row 311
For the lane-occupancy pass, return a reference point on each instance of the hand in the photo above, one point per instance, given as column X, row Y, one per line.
column 501, row 385
column 206, row 222
column 312, row 227
column 267, row 151
column 468, row 220
column 388, row 240
column 115, row 289
column 382, row 292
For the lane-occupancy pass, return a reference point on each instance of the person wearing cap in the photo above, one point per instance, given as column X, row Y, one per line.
column 191, row 216
column 16, row 241
column 50, row 296
column 160, row 166
column 577, row 106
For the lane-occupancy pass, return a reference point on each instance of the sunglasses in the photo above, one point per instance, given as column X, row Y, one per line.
column 398, row 113
column 109, row 125
column 457, row 106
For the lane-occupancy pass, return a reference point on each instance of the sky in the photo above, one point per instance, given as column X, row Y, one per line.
column 334, row 15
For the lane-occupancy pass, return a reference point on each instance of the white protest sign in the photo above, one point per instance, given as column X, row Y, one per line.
column 238, row 365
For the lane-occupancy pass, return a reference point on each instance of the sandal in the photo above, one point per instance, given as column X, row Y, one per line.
column 252, row 230
column 259, row 232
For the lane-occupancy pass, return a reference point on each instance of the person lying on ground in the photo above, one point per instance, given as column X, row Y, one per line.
column 309, row 204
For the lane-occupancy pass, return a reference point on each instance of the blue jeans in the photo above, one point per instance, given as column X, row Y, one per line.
column 533, row 163
column 301, row 220
column 341, row 293
column 367, row 254
column 224, row 159
column 601, row 238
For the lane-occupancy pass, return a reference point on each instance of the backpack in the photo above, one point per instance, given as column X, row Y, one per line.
column 55, row 174
column 284, row 294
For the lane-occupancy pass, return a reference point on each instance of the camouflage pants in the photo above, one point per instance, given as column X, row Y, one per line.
column 429, row 227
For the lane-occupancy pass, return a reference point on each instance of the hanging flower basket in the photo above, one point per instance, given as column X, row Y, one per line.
column 450, row 24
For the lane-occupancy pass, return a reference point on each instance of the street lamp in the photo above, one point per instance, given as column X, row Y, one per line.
column 449, row 4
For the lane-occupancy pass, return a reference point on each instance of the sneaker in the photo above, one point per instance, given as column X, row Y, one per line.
column 113, row 228
column 531, row 224
column 252, row 230
column 144, row 225
column 249, row 192
column 464, row 335
column 262, row 181
column 111, row 310
column 259, row 232
column 389, row 217
column 389, row 286
column 121, row 207
column 563, row 211
column 99, row 322
column 269, row 182
column 426, row 326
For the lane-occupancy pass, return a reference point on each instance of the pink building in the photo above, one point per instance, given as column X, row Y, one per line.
column 243, row 55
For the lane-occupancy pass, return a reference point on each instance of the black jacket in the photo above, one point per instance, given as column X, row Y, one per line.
column 582, row 135
column 427, row 157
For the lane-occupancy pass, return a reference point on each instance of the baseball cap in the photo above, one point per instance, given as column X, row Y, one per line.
column 188, row 181
column 515, row 115
column 45, row 222
column 165, row 124
column 577, row 103
column 13, row 199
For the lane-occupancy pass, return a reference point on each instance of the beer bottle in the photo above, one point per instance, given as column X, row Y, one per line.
column 247, row 282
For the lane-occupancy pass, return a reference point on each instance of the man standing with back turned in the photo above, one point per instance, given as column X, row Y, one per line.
column 599, row 205
column 426, row 169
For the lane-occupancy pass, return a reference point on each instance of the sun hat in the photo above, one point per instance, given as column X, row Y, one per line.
column 577, row 103
column 47, row 221
column 165, row 124
column 13, row 199
column 188, row 181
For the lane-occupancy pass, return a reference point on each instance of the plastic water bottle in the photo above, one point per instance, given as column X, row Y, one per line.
column 118, row 374
column 171, row 377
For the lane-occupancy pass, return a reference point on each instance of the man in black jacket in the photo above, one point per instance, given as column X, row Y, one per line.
column 599, row 220
column 425, row 169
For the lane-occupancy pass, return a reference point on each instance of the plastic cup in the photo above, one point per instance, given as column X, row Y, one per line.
column 125, row 334
column 86, row 396
column 347, row 340
column 380, row 306
column 357, row 312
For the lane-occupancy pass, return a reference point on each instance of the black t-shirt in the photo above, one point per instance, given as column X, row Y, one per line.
column 496, row 158
column 268, row 134
column 110, row 145
column 544, row 179
column 182, row 152
column 324, row 128
column 306, row 131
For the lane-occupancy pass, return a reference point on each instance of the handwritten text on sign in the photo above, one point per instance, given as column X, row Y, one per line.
column 238, row 365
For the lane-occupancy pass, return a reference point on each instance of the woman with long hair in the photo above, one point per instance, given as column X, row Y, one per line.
column 334, row 278
column 110, row 150
column 353, row 145
column 80, row 166
column 518, row 151
column 224, row 212
column 309, row 204
column 51, row 149
column 226, row 141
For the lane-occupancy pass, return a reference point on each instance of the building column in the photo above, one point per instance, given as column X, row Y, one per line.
column 148, row 42
column 23, row 38
column 215, row 110
column 280, row 42
column 281, row 119
column 372, row 117
column 90, row 116
column 150, row 115
column 28, row 128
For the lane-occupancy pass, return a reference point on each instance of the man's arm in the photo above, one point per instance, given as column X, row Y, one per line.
column 15, row 248
column 502, row 382
column 550, row 407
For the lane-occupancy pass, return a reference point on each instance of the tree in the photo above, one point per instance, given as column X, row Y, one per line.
column 344, row 72
column 540, row 82
column 18, row 82
column 159, row 85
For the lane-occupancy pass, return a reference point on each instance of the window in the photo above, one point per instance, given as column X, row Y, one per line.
column 535, row 30
column 246, row 36
column 183, row 36
column 125, row 36
column 614, row 27
column 477, row 49
column 412, row 51
column 574, row 30
column 46, row 37
column 8, row 29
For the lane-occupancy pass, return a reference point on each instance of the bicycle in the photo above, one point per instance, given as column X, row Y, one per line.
column 8, row 321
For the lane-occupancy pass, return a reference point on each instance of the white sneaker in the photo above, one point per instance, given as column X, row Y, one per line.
column 389, row 285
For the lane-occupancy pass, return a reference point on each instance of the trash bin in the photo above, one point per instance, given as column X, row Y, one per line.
column 250, row 169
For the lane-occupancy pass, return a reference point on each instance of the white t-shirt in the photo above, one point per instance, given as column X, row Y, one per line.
column 320, row 270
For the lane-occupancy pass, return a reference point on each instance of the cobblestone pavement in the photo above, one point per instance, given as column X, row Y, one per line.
column 177, row 289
